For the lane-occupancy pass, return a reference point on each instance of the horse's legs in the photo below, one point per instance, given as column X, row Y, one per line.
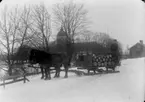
column 58, row 73
column 113, row 68
column 66, row 71
column 88, row 71
column 94, row 71
column 49, row 74
column 107, row 69
column 42, row 72
column 46, row 74
column 55, row 74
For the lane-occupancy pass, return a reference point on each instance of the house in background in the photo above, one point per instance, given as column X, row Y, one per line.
column 137, row 50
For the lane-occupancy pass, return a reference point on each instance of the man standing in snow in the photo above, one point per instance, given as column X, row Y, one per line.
column 115, row 51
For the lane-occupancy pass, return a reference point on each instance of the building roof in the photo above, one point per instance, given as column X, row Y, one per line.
column 137, row 45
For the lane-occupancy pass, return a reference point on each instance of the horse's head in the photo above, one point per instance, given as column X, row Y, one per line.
column 33, row 56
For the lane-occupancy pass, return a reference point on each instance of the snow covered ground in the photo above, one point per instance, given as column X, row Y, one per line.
column 126, row 86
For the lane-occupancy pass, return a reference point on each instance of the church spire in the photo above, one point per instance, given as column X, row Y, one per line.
column 61, row 29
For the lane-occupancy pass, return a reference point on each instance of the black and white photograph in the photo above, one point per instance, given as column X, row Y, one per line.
column 72, row 51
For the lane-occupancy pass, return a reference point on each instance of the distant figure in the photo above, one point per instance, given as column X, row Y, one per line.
column 115, row 51
column 114, row 46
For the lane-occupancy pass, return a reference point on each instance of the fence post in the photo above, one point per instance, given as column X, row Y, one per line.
column 4, row 83
column 24, row 79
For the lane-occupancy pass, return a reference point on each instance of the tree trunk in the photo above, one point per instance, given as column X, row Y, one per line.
column 70, row 51
column 10, row 70
column 9, row 64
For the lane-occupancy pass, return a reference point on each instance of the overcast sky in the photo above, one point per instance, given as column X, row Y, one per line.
column 121, row 19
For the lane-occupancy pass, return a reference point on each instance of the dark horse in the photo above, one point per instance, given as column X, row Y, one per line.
column 47, row 60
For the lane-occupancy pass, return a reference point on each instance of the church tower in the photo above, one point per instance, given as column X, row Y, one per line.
column 61, row 40
column 61, row 36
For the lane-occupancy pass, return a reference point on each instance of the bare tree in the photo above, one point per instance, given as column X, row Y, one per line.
column 13, row 29
column 73, row 19
column 25, row 26
column 41, row 26
column 87, row 36
column 102, row 38
column 8, row 30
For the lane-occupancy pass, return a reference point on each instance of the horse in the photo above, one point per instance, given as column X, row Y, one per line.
column 47, row 60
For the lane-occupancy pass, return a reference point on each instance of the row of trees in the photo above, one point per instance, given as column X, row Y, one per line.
column 99, row 37
column 31, row 25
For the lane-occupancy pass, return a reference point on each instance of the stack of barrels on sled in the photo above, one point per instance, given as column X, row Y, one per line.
column 88, row 61
column 103, row 60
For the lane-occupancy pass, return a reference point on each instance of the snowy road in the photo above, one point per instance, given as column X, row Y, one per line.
column 126, row 86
